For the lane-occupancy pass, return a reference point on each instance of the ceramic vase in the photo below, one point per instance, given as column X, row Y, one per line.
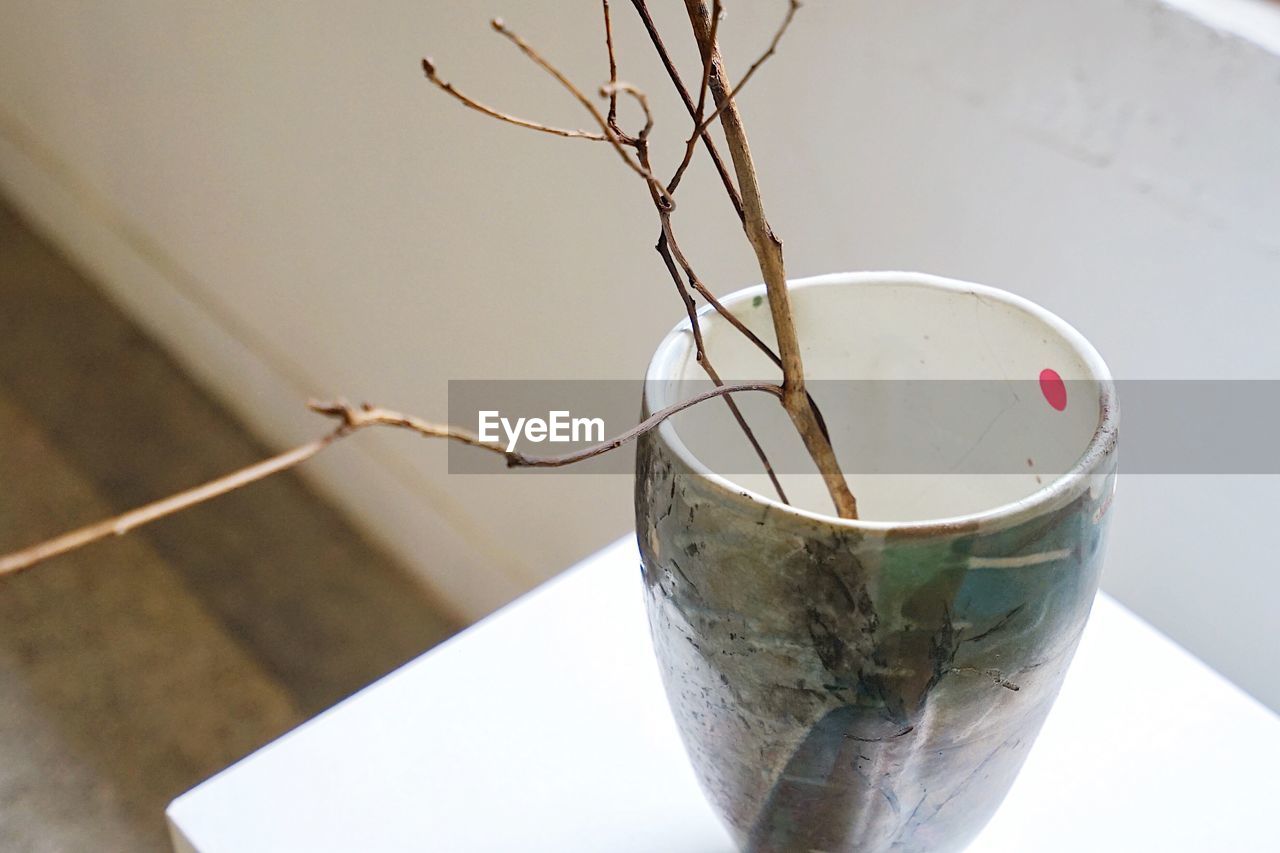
column 875, row 685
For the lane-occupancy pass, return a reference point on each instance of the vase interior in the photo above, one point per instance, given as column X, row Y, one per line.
column 943, row 399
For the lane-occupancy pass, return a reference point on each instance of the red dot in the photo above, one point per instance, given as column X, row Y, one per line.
column 1053, row 388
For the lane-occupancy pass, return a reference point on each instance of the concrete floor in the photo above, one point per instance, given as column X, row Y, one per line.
column 135, row 668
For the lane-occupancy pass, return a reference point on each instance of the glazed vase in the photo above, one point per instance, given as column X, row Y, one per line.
column 875, row 684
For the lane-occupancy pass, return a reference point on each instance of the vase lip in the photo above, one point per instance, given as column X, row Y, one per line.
column 1059, row 491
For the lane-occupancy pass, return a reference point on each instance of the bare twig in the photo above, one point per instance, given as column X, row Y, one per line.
column 696, row 283
column 710, row 297
column 122, row 524
column 768, row 249
column 666, row 241
column 358, row 417
column 705, row 362
column 613, row 66
column 352, row 420
column 792, row 7
column 611, row 91
column 699, row 127
column 716, row 13
column 661, row 199
column 618, row 143
column 642, row 9
column 734, row 197
column 430, row 69
column 644, row 426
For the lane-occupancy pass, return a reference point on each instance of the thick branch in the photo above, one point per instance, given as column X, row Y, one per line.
column 768, row 249
column 352, row 420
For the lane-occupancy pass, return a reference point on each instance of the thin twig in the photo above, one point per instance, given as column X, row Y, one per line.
column 704, row 361
column 644, row 426
column 768, row 249
column 430, row 69
column 792, row 8
column 359, row 417
column 665, row 241
column 696, row 283
column 352, row 420
column 122, row 524
column 661, row 199
column 699, row 128
column 716, row 14
column 611, row 90
column 642, row 9
column 695, row 111
column 613, row 66
column 734, row 197
column 618, row 144
column 710, row 297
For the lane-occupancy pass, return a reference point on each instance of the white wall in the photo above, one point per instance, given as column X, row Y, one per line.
column 276, row 193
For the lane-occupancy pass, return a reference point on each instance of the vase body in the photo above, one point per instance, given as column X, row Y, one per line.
column 875, row 685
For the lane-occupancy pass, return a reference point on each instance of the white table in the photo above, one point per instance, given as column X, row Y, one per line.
column 545, row 728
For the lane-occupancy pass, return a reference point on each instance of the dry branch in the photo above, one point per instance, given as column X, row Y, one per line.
column 662, row 200
column 352, row 419
column 122, row 524
column 665, row 245
column 642, row 9
column 792, row 8
column 613, row 66
column 611, row 90
column 699, row 125
column 429, row 69
column 613, row 138
column 735, row 198
column 768, row 249
column 747, row 202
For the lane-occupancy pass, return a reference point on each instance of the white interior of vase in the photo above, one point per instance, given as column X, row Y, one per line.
column 1024, row 402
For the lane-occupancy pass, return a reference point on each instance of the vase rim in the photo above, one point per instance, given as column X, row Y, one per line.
column 674, row 350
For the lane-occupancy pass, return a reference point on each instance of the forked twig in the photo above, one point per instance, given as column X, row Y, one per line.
column 640, row 143
column 666, row 242
column 699, row 127
column 642, row 9
column 538, row 59
column 704, row 361
column 662, row 200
